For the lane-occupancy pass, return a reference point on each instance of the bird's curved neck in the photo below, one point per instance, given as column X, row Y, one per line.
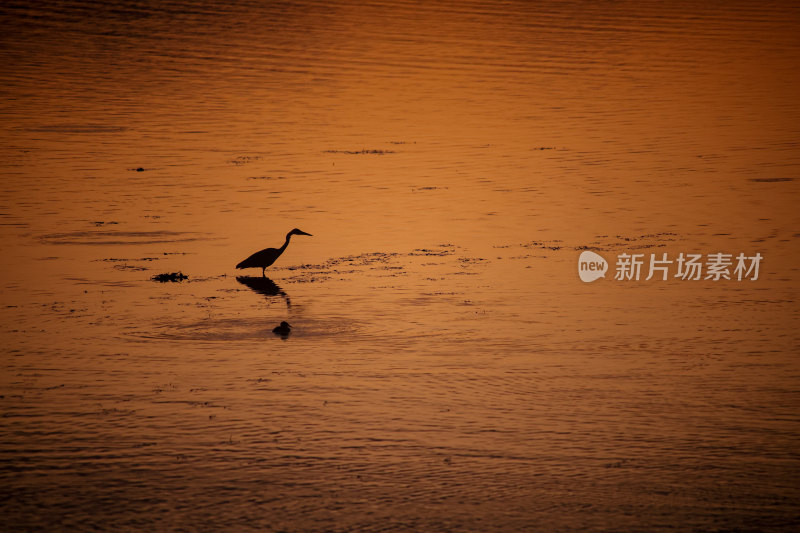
column 288, row 236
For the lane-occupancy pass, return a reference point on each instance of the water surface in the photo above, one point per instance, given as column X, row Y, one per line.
column 447, row 368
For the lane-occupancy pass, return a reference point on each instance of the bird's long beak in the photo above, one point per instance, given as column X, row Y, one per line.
column 300, row 232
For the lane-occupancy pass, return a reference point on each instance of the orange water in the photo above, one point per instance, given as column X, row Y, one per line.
column 448, row 370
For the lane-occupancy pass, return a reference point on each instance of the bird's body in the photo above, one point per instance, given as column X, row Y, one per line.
column 283, row 330
column 267, row 256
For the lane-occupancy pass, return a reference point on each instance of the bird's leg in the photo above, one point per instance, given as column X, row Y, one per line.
column 263, row 275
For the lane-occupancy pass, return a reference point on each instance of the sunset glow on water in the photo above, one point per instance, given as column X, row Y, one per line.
column 449, row 365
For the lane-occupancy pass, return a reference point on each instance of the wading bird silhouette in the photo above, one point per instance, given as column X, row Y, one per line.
column 267, row 256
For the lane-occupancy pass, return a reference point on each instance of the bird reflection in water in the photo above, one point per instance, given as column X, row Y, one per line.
column 265, row 286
